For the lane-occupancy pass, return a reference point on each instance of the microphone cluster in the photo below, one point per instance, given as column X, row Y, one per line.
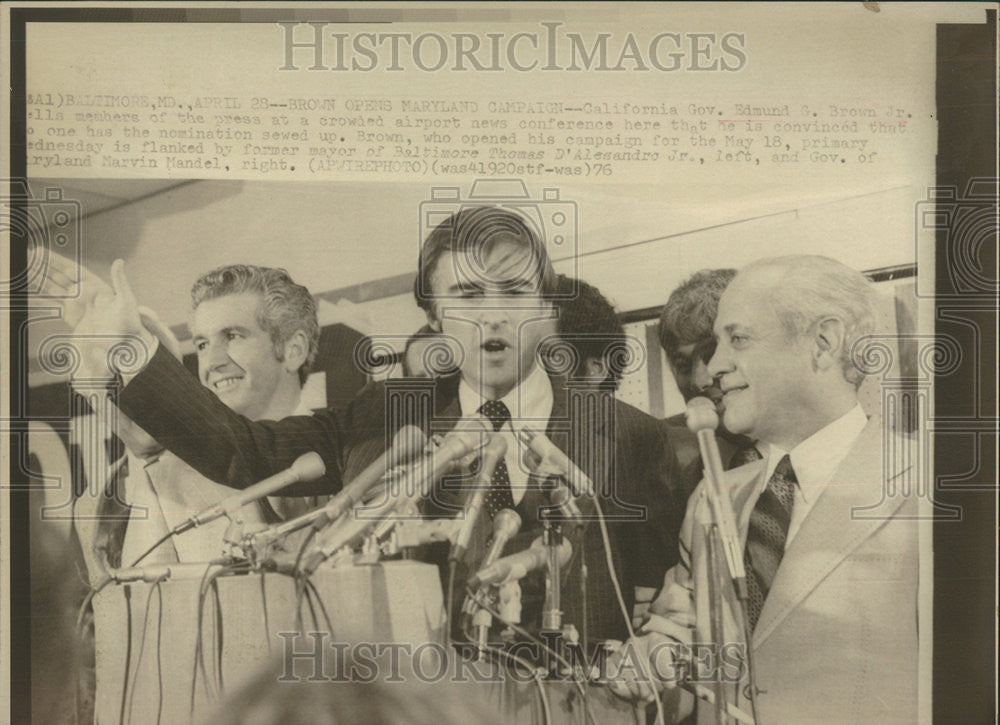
column 393, row 483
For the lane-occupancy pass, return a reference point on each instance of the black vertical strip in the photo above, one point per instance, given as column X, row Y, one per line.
column 20, row 581
column 964, row 552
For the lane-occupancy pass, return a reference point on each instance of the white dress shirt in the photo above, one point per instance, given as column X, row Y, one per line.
column 530, row 406
column 814, row 461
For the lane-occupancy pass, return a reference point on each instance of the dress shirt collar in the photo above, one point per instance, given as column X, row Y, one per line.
column 816, row 459
column 529, row 402
column 302, row 407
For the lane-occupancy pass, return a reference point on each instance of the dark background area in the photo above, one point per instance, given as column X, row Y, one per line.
column 965, row 401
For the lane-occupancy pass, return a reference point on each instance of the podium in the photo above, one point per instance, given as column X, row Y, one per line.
column 146, row 634
column 146, row 639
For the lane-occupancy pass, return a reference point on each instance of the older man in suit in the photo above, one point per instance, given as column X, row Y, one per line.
column 831, row 579
column 485, row 282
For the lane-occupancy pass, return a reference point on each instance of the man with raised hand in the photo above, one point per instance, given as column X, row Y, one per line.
column 255, row 334
column 831, row 572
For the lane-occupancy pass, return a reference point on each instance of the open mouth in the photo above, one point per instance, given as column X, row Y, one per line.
column 495, row 345
column 224, row 384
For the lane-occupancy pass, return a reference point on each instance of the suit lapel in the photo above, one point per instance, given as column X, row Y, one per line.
column 829, row 532
column 581, row 439
column 447, row 409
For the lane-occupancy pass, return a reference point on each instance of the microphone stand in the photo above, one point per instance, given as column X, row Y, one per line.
column 723, row 546
column 715, row 564
column 562, row 510
column 552, row 614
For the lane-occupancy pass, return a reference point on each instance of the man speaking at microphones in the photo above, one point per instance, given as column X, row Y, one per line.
column 830, row 582
column 484, row 281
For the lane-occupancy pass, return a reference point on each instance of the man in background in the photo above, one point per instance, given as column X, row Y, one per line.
column 589, row 323
column 688, row 340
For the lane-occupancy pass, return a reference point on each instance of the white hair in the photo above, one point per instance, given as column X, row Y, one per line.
column 812, row 288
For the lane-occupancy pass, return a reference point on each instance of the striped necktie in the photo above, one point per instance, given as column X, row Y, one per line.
column 766, row 535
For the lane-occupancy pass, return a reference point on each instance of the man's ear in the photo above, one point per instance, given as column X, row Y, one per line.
column 432, row 320
column 296, row 351
column 828, row 343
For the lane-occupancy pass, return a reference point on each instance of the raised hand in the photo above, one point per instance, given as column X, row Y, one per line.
column 106, row 322
column 60, row 282
column 152, row 322
column 73, row 296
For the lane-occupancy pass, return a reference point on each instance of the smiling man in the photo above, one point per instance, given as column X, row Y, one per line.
column 832, row 583
column 484, row 279
column 255, row 333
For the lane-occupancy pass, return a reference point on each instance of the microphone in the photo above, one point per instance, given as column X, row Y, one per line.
column 517, row 566
column 147, row 574
column 554, row 460
column 562, row 502
column 506, row 524
column 494, row 452
column 405, row 444
column 416, row 483
column 475, row 425
column 702, row 420
column 152, row 573
column 307, row 467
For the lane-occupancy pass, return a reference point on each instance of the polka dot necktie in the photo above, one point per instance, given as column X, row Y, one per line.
column 499, row 495
column 767, row 534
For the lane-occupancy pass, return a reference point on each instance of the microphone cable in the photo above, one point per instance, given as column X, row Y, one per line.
column 448, row 606
column 536, row 677
column 208, row 580
column 322, row 607
column 580, row 686
column 263, row 606
column 612, row 571
column 154, row 547
column 154, row 589
column 128, row 652
column 751, row 671
column 543, row 696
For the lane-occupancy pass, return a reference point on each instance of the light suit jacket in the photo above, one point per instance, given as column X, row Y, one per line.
column 837, row 637
column 163, row 493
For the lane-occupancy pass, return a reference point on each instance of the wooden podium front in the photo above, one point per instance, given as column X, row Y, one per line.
column 146, row 635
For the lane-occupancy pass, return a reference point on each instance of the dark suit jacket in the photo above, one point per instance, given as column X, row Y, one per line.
column 620, row 448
